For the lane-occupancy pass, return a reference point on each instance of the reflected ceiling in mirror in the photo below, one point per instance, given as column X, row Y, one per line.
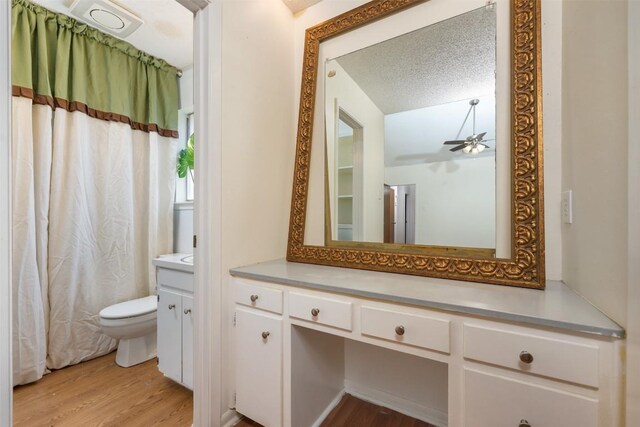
column 411, row 138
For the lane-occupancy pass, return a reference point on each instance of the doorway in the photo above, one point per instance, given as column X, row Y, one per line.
column 404, row 204
column 207, row 81
column 348, row 179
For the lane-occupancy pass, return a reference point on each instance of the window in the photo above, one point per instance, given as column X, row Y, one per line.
column 184, row 186
column 189, row 181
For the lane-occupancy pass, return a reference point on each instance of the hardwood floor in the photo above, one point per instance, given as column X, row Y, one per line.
column 100, row 393
column 353, row 412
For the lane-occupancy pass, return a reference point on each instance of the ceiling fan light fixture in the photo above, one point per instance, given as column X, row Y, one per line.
column 474, row 143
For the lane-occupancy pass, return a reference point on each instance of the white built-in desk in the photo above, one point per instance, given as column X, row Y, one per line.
column 448, row 352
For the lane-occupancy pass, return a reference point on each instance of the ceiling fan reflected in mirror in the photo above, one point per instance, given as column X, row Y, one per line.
column 474, row 143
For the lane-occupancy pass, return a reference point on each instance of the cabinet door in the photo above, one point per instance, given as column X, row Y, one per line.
column 497, row 401
column 187, row 341
column 259, row 367
column 170, row 335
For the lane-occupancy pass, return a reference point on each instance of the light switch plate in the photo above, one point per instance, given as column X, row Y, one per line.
column 567, row 207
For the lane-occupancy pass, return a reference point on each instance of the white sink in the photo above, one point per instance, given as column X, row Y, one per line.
column 180, row 262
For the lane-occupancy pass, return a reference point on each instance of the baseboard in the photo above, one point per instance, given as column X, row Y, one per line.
column 399, row 404
column 328, row 409
column 230, row 418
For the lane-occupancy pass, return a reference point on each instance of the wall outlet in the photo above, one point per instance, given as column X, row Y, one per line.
column 567, row 207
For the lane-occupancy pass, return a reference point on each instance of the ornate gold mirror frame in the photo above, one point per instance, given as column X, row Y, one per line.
column 526, row 267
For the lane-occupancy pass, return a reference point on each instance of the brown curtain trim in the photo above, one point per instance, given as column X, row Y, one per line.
column 83, row 108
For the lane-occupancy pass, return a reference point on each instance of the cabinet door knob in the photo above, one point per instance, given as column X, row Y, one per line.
column 524, row 423
column 254, row 298
column 172, row 306
column 315, row 312
column 526, row 357
column 187, row 311
column 265, row 335
column 400, row 330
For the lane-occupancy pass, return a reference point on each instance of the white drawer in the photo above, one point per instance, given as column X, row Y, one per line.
column 564, row 360
column 166, row 277
column 496, row 401
column 325, row 311
column 420, row 331
column 257, row 296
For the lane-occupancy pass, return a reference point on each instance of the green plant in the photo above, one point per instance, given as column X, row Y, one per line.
column 186, row 159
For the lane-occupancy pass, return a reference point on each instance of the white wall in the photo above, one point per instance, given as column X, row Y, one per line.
column 595, row 152
column 633, row 245
column 455, row 201
column 552, row 133
column 342, row 91
column 258, row 145
column 418, row 385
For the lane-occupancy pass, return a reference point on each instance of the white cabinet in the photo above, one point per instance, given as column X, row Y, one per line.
column 499, row 401
column 259, row 366
column 175, row 325
column 170, row 334
column 187, row 341
column 499, row 373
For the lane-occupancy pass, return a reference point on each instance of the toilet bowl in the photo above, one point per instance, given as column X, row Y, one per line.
column 134, row 324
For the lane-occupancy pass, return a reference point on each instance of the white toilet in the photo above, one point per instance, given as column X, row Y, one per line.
column 134, row 324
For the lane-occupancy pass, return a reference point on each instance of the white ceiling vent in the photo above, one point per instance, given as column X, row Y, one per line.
column 106, row 16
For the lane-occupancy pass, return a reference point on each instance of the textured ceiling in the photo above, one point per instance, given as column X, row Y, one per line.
column 448, row 61
column 167, row 31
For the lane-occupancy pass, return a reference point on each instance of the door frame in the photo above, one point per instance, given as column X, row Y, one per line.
column 208, row 304
column 207, row 214
column 6, row 373
column 633, row 218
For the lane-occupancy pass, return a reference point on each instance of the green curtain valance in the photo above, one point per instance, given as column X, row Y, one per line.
column 64, row 63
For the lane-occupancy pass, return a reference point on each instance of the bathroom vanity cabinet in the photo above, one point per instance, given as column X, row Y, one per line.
column 450, row 353
column 175, row 320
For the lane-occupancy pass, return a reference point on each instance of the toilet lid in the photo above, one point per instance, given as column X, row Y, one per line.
column 136, row 307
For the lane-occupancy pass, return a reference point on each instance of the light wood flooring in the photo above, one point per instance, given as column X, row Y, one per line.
column 100, row 393
column 353, row 412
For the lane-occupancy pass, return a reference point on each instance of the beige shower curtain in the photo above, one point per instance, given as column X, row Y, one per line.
column 111, row 212
column 93, row 204
column 94, row 150
column 31, row 155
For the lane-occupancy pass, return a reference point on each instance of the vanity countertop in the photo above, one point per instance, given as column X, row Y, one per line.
column 180, row 262
column 558, row 306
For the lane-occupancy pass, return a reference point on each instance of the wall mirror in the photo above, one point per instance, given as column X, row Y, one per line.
column 419, row 142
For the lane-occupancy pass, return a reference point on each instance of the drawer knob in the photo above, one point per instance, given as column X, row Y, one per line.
column 265, row 335
column 187, row 311
column 254, row 298
column 400, row 330
column 524, row 423
column 526, row 357
column 172, row 306
column 315, row 312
